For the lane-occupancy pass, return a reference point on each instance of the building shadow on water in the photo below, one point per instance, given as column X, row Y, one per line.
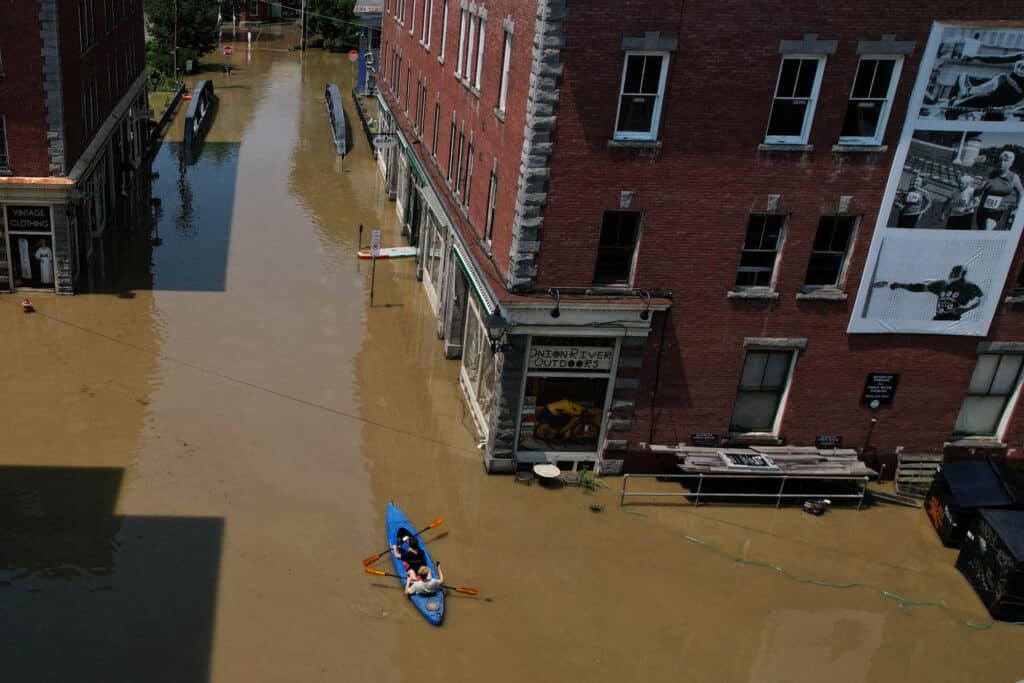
column 88, row 595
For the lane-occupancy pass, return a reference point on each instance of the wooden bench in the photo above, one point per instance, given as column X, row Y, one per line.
column 915, row 472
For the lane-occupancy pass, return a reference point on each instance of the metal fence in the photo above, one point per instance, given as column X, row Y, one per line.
column 779, row 495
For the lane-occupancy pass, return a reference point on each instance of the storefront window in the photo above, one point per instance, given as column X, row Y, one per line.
column 30, row 236
column 434, row 250
column 566, row 393
column 477, row 367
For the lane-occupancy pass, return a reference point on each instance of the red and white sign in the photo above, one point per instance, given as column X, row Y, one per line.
column 228, row 50
column 353, row 55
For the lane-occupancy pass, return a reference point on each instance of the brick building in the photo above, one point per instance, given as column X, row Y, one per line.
column 73, row 124
column 739, row 228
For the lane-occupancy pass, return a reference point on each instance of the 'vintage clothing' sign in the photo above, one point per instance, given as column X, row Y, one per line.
column 28, row 219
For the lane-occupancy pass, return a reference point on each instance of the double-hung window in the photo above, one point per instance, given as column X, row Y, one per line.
column 5, row 160
column 760, row 250
column 468, row 74
column 994, row 382
column 620, row 232
column 428, row 16
column 506, row 59
column 437, row 124
column 480, row 51
column 831, row 247
column 462, row 41
column 641, row 93
column 763, row 383
column 451, row 150
column 444, row 29
column 492, row 195
column 870, row 100
column 796, row 94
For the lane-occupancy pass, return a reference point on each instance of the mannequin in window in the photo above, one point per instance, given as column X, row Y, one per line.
column 45, row 257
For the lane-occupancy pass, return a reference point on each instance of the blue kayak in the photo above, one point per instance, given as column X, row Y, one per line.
column 430, row 606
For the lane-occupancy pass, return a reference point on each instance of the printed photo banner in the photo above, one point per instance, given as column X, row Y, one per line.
column 953, row 210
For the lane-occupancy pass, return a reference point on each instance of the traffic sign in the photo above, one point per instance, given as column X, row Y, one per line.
column 374, row 243
column 228, row 50
column 353, row 55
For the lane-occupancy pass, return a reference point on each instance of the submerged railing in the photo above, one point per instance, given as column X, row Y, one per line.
column 336, row 114
column 779, row 495
column 198, row 112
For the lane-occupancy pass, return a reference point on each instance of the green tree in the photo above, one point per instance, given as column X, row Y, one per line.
column 196, row 29
column 334, row 20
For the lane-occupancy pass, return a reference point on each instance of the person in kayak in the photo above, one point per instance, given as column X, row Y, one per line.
column 408, row 551
column 422, row 583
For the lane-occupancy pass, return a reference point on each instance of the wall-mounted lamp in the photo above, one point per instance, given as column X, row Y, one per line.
column 646, row 313
column 497, row 331
column 555, row 312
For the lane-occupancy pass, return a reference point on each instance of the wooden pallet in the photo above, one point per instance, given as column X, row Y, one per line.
column 915, row 472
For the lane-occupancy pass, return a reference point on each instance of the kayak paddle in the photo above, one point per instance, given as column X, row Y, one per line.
column 457, row 589
column 373, row 558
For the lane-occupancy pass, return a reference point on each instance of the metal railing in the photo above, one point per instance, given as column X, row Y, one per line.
column 779, row 495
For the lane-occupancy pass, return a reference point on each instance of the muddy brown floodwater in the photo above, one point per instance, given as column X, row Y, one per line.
column 197, row 458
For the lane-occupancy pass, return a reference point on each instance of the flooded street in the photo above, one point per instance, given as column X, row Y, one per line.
column 202, row 453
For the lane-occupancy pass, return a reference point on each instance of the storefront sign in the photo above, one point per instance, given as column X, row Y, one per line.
column 28, row 219
column 570, row 358
column 880, row 388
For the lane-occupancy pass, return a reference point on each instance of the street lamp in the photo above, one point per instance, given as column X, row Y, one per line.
column 497, row 331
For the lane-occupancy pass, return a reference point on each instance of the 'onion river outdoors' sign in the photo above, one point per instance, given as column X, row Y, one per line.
column 570, row 357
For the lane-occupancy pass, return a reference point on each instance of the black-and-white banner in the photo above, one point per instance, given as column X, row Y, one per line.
column 953, row 209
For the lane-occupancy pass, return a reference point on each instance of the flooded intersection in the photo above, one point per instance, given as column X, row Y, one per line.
column 200, row 454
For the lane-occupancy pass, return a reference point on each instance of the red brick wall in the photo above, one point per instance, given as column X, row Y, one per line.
column 492, row 137
column 698, row 191
column 21, row 88
column 77, row 67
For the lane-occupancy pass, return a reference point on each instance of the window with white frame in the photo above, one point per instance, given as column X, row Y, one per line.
column 480, row 51
column 437, row 125
column 412, row 17
column 506, row 61
column 831, row 248
column 451, row 151
column 477, row 371
column 459, row 175
column 5, row 160
column 641, row 93
column 492, row 195
column 469, row 172
column 796, row 94
column 428, row 12
column 870, row 100
column 468, row 73
column 254, row 8
column 994, row 382
column 462, row 41
column 760, row 250
column 763, row 383
column 444, row 29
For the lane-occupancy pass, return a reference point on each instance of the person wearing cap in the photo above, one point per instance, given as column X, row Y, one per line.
column 407, row 549
column 955, row 295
